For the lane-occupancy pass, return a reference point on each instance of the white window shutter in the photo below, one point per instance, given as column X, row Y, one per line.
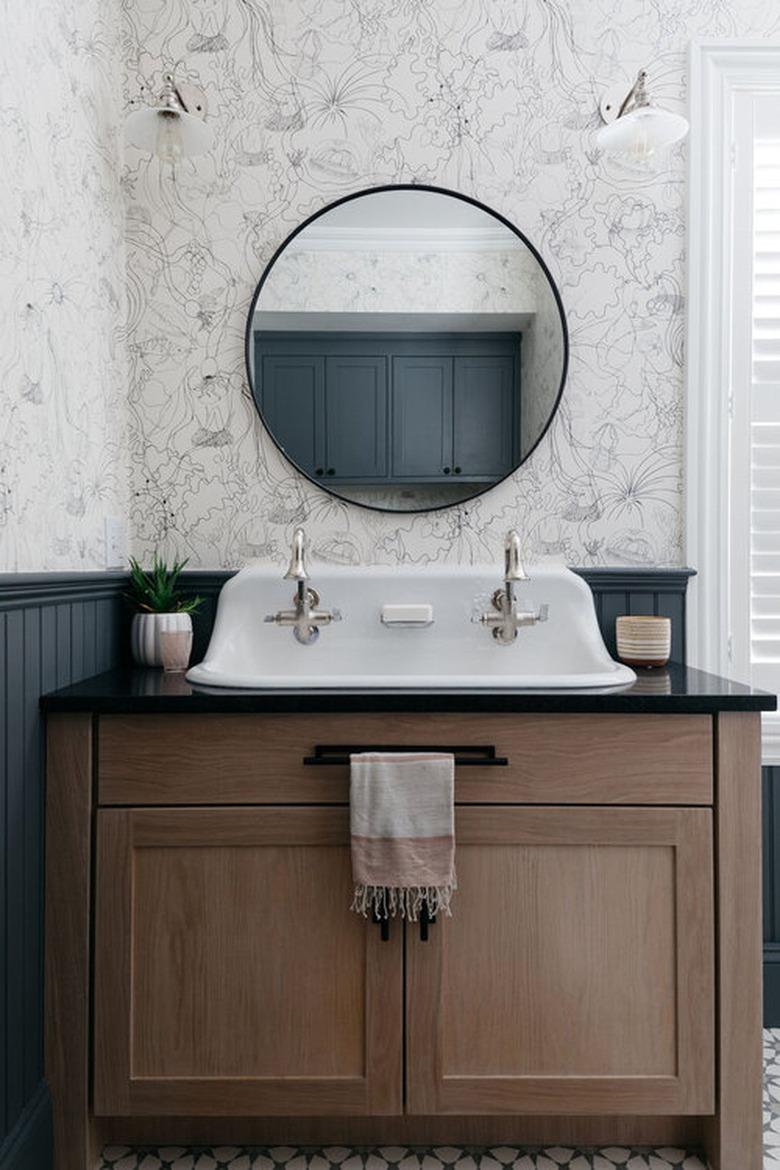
column 764, row 424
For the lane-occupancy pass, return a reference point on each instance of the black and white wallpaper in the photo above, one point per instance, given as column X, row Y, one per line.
column 313, row 99
column 125, row 286
column 63, row 373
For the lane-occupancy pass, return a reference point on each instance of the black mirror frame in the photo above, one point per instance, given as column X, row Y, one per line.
column 437, row 191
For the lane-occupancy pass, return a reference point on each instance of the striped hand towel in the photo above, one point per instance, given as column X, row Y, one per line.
column 403, row 833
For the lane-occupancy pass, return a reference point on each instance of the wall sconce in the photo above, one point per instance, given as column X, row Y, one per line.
column 635, row 126
column 174, row 127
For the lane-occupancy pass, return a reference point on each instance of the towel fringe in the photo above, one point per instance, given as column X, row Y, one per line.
column 402, row 901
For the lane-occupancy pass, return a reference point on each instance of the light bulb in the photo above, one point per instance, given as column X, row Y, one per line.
column 168, row 146
column 641, row 148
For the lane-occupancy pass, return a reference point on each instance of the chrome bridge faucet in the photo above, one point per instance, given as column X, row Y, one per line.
column 305, row 618
column 505, row 619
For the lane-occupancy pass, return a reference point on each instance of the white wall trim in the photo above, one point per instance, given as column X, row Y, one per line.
column 719, row 71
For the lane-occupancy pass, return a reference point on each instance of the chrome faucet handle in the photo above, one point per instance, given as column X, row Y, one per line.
column 305, row 618
column 297, row 568
column 505, row 619
column 513, row 566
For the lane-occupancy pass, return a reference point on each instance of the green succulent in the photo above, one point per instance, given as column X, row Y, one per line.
column 155, row 590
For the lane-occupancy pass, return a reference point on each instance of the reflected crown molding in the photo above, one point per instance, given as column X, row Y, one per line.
column 371, row 239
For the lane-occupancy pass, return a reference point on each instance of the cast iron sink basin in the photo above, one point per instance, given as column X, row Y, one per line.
column 454, row 651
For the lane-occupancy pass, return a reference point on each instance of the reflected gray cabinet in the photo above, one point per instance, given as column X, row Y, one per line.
column 486, row 425
column 294, row 404
column 422, row 417
column 328, row 413
column 355, row 418
column 393, row 408
column 453, row 417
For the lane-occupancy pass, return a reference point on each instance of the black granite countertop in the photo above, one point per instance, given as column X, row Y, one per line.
column 673, row 689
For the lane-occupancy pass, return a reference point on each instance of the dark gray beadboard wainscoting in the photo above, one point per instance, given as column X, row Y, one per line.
column 771, row 850
column 54, row 629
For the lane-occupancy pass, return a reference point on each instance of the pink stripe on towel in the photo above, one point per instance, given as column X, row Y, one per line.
column 403, row 832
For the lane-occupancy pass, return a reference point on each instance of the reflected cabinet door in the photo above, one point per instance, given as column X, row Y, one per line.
column 231, row 976
column 422, row 418
column 576, row 973
column 356, row 417
column 293, row 397
column 484, row 426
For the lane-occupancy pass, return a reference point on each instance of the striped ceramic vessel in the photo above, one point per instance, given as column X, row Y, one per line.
column 643, row 640
column 145, row 634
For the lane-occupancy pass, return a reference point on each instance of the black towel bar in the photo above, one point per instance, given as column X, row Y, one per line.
column 465, row 754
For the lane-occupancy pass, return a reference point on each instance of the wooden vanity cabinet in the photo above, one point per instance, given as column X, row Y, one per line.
column 597, row 983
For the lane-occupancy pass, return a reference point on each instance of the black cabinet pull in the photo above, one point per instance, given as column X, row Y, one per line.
column 426, row 919
column 319, row 470
column 457, row 471
column 331, row 471
column 384, row 927
column 446, row 471
column 478, row 755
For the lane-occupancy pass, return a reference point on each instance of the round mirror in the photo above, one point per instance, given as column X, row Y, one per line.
column 406, row 348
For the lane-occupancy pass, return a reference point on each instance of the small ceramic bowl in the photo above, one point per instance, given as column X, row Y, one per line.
column 643, row 640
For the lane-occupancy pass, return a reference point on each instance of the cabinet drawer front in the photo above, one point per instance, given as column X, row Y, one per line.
column 256, row 759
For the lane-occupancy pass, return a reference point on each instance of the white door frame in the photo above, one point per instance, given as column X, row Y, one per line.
column 719, row 72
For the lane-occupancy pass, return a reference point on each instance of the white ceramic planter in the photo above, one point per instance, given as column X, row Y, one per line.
column 145, row 634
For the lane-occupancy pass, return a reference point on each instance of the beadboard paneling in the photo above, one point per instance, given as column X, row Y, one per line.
column 661, row 592
column 54, row 629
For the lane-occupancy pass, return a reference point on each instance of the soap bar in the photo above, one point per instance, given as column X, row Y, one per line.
column 413, row 614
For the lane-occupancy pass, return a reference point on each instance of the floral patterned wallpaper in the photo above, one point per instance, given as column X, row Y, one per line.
column 312, row 99
column 63, row 378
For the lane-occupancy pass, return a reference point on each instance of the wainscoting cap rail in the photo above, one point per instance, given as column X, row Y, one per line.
column 39, row 588
column 661, row 580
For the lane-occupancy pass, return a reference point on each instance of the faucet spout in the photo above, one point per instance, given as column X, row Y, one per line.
column 297, row 569
column 513, row 566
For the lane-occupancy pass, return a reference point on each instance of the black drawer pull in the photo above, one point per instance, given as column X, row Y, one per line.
column 384, row 927
column 426, row 920
column 466, row 755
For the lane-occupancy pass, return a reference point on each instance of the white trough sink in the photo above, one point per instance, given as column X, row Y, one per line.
column 564, row 652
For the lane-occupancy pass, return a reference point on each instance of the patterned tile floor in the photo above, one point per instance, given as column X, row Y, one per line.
column 451, row 1158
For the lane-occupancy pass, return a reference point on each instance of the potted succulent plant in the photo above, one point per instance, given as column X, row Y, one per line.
column 160, row 606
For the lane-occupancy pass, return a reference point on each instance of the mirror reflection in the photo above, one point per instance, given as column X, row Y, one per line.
column 406, row 349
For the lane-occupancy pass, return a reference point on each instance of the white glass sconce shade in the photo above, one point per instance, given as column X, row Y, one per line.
column 152, row 129
column 168, row 129
column 642, row 132
column 637, row 127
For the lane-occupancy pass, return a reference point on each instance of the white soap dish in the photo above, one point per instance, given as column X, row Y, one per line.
column 411, row 616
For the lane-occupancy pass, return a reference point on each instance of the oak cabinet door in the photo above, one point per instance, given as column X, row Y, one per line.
column 230, row 975
column 576, row 973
